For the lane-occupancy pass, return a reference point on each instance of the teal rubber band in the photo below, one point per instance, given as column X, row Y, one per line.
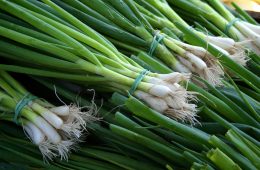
column 138, row 81
column 230, row 24
column 156, row 41
column 21, row 104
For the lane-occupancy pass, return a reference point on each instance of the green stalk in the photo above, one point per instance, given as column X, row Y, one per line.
column 106, row 28
column 227, row 125
column 244, row 115
column 200, row 8
column 21, row 13
column 12, row 82
column 36, row 8
column 129, row 124
column 222, row 160
column 216, row 103
column 53, row 74
column 244, row 14
column 143, row 111
column 80, row 37
column 119, row 160
column 85, row 9
column 243, row 145
column 229, row 151
column 84, row 28
column 22, row 54
column 158, row 147
column 30, row 32
column 9, row 90
column 252, row 110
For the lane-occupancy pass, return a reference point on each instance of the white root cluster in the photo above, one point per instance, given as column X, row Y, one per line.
column 57, row 130
column 251, row 35
column 170, row 98
column 200, row 61
column 235, row 50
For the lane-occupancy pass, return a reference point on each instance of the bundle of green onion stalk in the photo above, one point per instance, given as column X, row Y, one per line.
column 73, row 48
column 124, row 141
column 136, row 30
column 56, row 130
column 148, row 54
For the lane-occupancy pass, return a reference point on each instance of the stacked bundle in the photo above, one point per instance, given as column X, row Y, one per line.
column 145, row 50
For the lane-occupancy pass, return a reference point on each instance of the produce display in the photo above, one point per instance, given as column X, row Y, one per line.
column 128, row 84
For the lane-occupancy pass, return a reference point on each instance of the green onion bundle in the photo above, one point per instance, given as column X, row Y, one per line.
column 224, row 20
column 137, row 24
column 195, row 59
column 55, row 130
column 83, row 55
column 206, row 149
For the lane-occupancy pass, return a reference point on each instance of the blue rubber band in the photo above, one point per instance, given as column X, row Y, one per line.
column 230, row 24
column 156, row 41
column 21, row 104
column 138, row 81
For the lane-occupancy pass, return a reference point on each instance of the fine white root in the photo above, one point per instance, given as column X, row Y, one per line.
column 64, row 148
column 73, row 130
column 238, row 54
column 48, row 150
column 212, row 73
column 175, row 105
